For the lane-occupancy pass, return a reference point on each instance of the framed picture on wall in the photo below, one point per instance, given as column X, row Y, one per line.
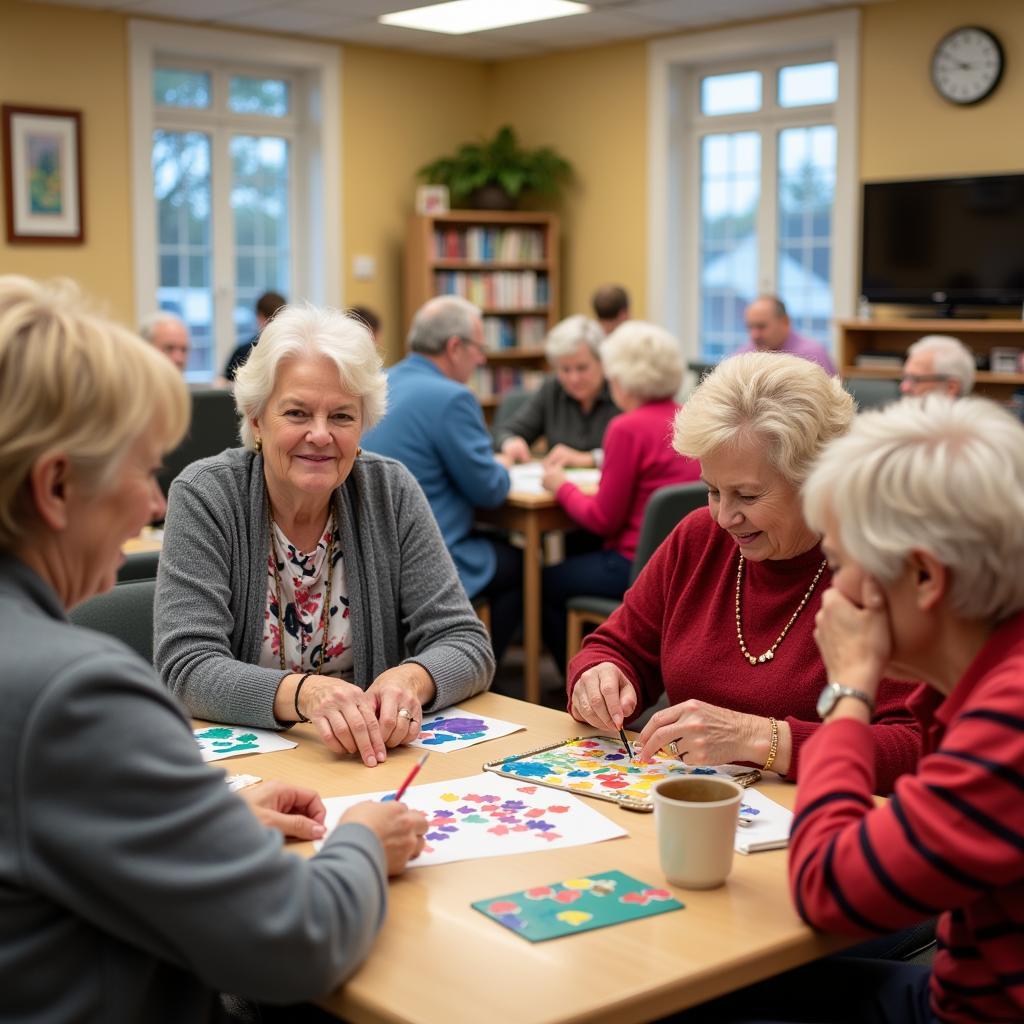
column 42, row 171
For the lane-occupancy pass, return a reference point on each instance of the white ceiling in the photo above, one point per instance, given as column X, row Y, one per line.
column 354, row 21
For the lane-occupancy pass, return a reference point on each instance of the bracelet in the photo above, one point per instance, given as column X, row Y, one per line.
column 298, row 686
column 774, row 748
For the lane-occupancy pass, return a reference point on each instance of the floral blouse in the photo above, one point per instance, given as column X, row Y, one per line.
column 303, row 585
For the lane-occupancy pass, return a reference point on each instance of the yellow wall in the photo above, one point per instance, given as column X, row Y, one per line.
column 591, row 105
column 907, row 129
column 75, row 59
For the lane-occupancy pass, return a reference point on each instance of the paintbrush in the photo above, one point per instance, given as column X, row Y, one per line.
column 625, row 742
column 412, row 775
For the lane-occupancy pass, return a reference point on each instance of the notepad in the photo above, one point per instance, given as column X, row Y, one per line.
column 767, row 827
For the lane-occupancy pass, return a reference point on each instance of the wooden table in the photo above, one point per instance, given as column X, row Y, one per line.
column 532, row 515
column 437, row 959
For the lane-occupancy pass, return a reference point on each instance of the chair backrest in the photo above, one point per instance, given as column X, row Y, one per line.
column 509, row 405
column 872, row 392
column 214, row 427
column 666, row 507
column 126, row 612
column 139, row 565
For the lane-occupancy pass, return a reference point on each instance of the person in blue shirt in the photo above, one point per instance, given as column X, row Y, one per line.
column 435, row 427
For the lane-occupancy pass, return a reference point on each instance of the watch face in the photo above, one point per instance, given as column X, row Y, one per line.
column 826, row 699
column 967, row 65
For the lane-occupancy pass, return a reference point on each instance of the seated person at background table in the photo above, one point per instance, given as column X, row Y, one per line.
column 611, row 306
column 770, row 330
column 435, row 427
column 921, row 505
column 721, row 616
column 938, row 362
column 302, row 579
column 644, row 369
column 267, row 306
column 572, row 408
column 168, row 334
column 133, row 883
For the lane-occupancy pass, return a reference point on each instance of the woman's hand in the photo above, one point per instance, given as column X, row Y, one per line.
column 706, row 735
column 399, row 830
column 553, row 479
column 562, row 456
column 292, row 810
column 603, row 697
column 344, row 716
column 855, row 640
column 400, row 694
column 516, row 449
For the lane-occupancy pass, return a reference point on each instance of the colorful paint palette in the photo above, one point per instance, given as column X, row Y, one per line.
column 577, row 905
column 600, row 766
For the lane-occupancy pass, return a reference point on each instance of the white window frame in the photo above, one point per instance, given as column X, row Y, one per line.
column 675, row 67
column 314, row 74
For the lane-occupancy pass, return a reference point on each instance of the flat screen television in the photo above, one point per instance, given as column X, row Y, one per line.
column 952, row 241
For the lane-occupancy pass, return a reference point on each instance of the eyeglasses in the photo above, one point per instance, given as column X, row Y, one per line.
column 473, row 343
column 924, row 378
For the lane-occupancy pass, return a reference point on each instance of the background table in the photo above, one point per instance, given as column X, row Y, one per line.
column 438, row 960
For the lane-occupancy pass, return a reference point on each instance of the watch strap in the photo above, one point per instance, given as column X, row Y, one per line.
column 839, row 692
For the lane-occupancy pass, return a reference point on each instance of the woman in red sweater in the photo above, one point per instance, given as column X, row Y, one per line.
column 644, row 371
column 721, row 617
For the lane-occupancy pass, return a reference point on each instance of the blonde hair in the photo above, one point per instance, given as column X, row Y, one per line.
column 567, row 335
column 786, row 404
column 936, row 475
column 73, row 381
column 311, row 332
column 643, row 359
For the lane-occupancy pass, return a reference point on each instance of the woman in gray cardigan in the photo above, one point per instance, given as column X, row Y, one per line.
column 302, row 579
column 133, row 883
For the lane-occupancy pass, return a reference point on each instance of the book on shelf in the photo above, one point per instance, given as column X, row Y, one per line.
column 493, row 382
column 878, row 360
column 489, row 244
column 508, row 332
column 505, row 289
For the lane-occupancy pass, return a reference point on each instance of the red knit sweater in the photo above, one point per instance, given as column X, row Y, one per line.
column 676, row 631
column 638, row 459
column 951, row 838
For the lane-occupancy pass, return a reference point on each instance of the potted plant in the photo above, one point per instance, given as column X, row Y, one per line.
column 492, row 175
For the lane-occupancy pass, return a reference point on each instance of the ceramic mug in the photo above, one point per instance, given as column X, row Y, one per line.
column 695, row 817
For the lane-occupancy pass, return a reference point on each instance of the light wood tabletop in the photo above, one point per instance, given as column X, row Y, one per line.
column 438, row 960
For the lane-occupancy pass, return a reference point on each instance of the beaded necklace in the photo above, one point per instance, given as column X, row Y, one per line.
column 760, row 659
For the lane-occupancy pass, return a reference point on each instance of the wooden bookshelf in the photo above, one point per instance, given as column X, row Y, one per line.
column 507, row 264
column 858, row 338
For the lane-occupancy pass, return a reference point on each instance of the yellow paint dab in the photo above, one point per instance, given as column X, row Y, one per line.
column 450, row 797
column 574, row 917
column 579, row 883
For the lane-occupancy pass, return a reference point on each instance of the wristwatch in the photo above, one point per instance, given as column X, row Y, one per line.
column 833, row 692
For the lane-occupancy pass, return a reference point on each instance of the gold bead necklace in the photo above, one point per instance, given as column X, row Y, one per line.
column 760, row 659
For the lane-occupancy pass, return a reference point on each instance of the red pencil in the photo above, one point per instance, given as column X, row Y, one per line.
column 412, row 775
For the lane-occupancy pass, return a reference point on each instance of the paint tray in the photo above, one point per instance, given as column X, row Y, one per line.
column 599, row 766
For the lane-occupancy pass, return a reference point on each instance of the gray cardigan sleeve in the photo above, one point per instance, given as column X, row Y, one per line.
column 125, row 826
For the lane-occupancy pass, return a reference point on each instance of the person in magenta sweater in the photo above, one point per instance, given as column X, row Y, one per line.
column 644, row 369
column 721, row 617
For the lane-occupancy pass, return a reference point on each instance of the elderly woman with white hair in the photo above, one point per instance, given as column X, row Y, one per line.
column 572, row 408
column 721, row 617
column 938, row 363
column 133, row 883
column 302, row 579
column 644, row 369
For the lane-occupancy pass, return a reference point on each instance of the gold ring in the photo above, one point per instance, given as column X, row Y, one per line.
column 673, row 749
column 405, row 713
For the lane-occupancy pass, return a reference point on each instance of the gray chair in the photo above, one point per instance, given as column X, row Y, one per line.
column 510, row 404
column 139, row 565
column 213, row 427
column 872, row 392
column 667, row 506
column 126, row 612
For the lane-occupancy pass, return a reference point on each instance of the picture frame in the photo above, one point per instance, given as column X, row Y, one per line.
column 432, row 199
column 42, row 172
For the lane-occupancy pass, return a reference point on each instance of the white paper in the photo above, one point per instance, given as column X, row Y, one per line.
column 220, row 741
column 768, row 827
column 526, row 477
column 237, row 782
column 457, row 728
column 487, row 815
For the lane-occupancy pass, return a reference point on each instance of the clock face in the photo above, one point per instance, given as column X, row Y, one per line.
column 967, row 65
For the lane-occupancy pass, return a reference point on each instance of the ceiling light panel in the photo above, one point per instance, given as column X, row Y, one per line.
column 460, row 17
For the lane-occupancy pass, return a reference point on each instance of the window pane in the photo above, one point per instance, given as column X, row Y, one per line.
column 738, row 93
column 805, row 84
column 807, row 174
column 268, row 96
column 176, row 88
column 730, row 193
column 260, row 200
column 181, row 180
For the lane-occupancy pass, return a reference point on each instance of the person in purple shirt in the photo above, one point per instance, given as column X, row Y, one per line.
column 770, row 330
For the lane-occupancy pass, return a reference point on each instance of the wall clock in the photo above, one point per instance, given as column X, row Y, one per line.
column 967, row 65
